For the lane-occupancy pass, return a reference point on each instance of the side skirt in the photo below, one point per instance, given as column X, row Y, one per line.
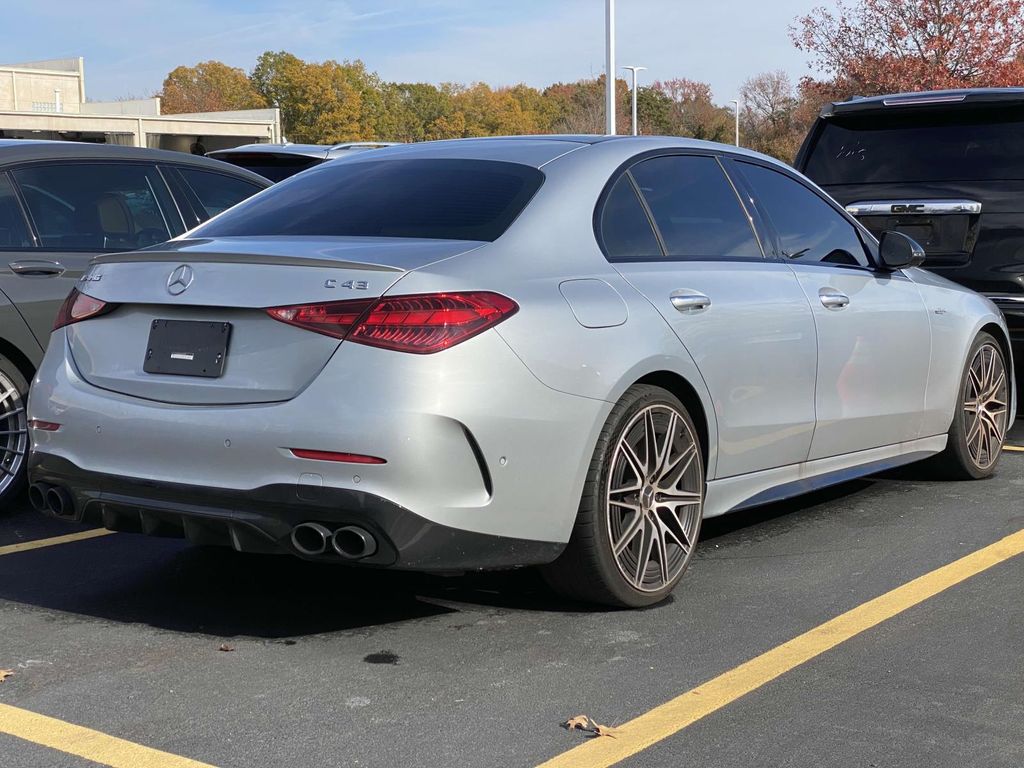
column 734, row 493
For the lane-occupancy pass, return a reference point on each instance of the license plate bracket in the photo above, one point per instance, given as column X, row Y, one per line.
column 187, row 348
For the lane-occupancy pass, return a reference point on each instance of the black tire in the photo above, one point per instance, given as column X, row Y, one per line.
column 964, row 458
column 12, row 420
column 588, row 569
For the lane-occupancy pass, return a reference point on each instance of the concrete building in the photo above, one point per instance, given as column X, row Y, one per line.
column 46, row 100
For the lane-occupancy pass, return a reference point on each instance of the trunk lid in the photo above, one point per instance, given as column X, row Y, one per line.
column 233, row 281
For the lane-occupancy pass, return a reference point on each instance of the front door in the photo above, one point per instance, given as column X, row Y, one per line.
column 674, row 227
column 874, row 336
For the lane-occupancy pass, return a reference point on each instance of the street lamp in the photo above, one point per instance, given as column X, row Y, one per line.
column 634, row 70
column 737, row 103
column 609, row 66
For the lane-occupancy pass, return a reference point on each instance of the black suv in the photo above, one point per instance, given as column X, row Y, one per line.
column 945, row 168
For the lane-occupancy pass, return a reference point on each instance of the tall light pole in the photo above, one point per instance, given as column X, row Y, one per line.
column 634, row 70
column 737, row 103
column 609, row 66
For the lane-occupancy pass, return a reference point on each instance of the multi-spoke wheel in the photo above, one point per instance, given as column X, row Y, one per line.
column 13, row 431
column 640, row 514
column 979, row 425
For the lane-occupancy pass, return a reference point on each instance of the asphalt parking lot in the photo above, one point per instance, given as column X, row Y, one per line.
column 150, row 653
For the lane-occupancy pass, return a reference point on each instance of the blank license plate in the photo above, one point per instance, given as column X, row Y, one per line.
column 187, row 348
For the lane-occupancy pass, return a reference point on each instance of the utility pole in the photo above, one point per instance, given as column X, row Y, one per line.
column 737, row 103
column 609, row 66
column 634, row 70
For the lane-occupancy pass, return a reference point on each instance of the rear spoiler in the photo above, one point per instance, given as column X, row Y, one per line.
column 956, row 99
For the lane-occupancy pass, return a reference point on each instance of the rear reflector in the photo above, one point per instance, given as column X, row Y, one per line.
column 421, row 323
column 345, row 458
column 44, row 426
column 80, row 306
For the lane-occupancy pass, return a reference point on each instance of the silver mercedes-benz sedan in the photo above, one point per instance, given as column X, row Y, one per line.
column 556, row 350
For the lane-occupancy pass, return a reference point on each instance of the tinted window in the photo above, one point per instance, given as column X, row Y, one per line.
column 216, row 191
column 695, row 208
column 625, row 229
column 445, row 199
column 13, row 230
column 272, row 167
column 983, row 145
column 94, row 206
column 809, row 228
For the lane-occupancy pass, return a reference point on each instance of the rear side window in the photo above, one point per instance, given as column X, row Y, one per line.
column 13, row 230
column 94, row 206
column 983, row 145
column 695, row 208
column 441, row 199
column 216, row 191
column 809, row 229
column 625, row 229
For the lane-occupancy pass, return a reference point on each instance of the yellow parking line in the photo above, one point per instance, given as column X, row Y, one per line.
column 1016, row 448
column 25, row 546
column 86, row 743
column 670, row 718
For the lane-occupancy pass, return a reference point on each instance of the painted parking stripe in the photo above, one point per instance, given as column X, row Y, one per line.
column 670, row 718
column 1016, row 448
column 86, row 743
column 25, row 546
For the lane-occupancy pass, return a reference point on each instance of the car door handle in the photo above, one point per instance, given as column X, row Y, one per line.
column 689, row 301
column 833, row 299
column 36, row 268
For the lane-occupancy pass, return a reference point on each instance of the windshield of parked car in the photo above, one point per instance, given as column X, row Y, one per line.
column 978, row 145
column 443, row 199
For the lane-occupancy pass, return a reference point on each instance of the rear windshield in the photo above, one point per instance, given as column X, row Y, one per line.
column 441, row 199
column 982, row 145
column 272, row 167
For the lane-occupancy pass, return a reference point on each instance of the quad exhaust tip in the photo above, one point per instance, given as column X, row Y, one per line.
column 37, row 496
column 350, row 541
column 51, row 499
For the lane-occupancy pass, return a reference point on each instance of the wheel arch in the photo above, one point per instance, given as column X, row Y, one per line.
column 998, row 332
column 16, row 356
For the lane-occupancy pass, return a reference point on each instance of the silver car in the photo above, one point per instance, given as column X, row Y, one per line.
column 558, row 351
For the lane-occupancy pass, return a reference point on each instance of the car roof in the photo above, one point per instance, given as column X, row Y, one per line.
column 305, row 150
column 539, row 149
column 954, row 98
column 27, row 150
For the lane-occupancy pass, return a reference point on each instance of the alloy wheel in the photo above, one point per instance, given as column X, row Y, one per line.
column 13, row 433
column 655, row 497
column 985, row 406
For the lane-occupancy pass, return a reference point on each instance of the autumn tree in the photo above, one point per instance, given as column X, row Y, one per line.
column 692, row 112
column 580, row 107
column 770, row 118
column 882, row 46
column 209, row 86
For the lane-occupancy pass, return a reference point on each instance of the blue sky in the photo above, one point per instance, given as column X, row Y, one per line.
column 130, row 46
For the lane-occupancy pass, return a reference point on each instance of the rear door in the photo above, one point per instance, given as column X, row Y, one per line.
column 874, row 335
column 78, row 210
column 675, row 228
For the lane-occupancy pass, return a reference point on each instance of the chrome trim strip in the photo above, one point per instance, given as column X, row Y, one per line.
column 913, row 207
column 906, row 101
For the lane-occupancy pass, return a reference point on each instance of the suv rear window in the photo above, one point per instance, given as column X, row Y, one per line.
column 269, row 166
column 982, row 145
column 441, row 199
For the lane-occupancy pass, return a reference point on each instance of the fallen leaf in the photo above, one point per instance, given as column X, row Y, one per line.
column 5, row 673
column 604, row 730
column 580, row 721
column 225, row 647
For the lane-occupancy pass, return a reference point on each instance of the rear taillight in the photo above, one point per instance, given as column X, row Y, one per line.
column 421, row 324
column 79, row 306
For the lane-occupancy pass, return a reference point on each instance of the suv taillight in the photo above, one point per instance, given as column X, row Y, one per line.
column 80, row 306
column 420, row 324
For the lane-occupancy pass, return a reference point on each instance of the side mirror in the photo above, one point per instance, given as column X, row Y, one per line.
column 897, row 251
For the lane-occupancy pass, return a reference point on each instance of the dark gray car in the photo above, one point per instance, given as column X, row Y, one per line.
column 61, row 203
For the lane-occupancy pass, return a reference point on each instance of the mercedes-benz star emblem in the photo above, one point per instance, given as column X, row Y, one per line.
column 179, row 281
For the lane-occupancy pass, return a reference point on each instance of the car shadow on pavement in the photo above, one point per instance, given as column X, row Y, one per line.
column 170, row 585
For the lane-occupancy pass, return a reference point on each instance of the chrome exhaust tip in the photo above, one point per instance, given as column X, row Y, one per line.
column 59, row 503
column 310, row 538
column 37, row 497
column 353, row 542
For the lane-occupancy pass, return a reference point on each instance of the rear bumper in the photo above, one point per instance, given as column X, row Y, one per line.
column 261, row 519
